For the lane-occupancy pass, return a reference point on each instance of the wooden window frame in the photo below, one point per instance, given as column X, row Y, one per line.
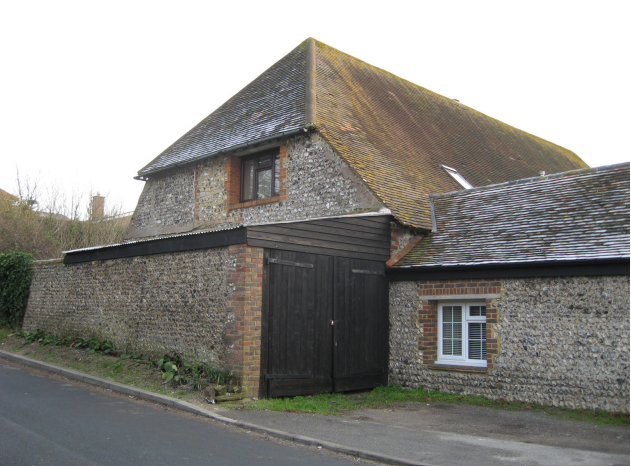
column 462, row 360
column 274, row 167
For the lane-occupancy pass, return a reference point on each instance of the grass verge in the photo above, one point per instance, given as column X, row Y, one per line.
column 136, row 373
column 395, row 396
column 143, row 375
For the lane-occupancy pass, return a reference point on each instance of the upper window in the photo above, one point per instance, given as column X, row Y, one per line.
column 462, row 334
column 260, row 176
column 458, row 178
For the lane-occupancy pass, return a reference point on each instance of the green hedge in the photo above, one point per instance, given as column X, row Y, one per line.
column 16, row 272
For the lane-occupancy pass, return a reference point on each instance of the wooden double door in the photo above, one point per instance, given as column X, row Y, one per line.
column 325, row 324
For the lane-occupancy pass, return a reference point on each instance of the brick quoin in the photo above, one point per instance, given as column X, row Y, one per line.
column 429, row 290
column 245, row 335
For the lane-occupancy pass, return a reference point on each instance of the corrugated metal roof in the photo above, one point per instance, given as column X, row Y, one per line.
column 576, row 215
column 380, row 213
column 229, row 226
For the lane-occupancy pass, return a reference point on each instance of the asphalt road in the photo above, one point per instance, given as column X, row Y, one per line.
column 45, row 421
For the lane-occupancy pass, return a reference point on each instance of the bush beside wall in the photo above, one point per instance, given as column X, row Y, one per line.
column 15, row 281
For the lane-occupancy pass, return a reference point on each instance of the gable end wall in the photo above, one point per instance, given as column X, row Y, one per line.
column 316, row 182
column 165, row 206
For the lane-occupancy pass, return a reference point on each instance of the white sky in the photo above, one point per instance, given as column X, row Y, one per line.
column 90, row 92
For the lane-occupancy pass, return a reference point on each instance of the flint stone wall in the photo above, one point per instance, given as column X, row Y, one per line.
column 166, row 204
column 564, row 341
column 318, row 183
column 153, row 304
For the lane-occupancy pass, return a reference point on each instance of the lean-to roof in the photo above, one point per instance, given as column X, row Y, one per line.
column 577, row 215
column 393, row 133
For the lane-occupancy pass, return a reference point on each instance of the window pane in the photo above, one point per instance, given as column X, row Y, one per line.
column 475, row 350
column 277, row 175
column 452, row 330
column 477, row 311
column 264, row 186
column 248, row 180
column 477, row 341
column 475, row 331
column 452, row 313
column 265, row 161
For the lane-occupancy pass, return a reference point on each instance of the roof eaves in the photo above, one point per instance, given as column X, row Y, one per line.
column 142, row 174
column 514, row 263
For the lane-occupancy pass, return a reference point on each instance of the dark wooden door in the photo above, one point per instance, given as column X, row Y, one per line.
column 299, row 312
column 360, row 343
column 325, row 324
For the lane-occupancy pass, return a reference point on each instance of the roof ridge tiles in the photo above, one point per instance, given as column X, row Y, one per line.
column 311, row 91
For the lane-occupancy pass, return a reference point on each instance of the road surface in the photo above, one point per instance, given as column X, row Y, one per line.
column 45, row 421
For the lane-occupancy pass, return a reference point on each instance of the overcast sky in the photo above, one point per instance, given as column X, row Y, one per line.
column 93, row 91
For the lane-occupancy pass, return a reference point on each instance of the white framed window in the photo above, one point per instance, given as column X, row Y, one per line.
column 462, row 333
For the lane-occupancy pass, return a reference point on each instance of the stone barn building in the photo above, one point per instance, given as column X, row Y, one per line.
column 300, row 237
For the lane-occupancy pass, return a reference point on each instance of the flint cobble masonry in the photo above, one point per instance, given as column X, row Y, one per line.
column 316, row 183
column 150, row 304
column 562, row 341
column 166, row 203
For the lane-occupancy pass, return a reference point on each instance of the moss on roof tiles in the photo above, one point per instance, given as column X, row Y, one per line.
column 580, row 214
column 396, row 135
column 271, row 104
column 393, row 133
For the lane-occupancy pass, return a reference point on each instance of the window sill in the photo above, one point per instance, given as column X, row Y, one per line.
column 456, row 368
column 241, row 205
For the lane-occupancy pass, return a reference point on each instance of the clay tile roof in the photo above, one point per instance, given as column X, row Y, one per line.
column 577, row 215
column 272, row 104
column 393, row 133
column 397, row 135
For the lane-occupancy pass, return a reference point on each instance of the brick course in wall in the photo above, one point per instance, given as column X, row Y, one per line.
column 561, row 341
